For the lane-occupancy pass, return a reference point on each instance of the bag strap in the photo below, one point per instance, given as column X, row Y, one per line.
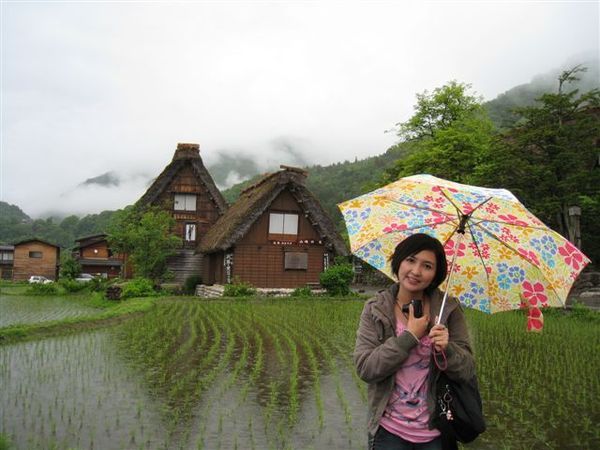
column 443, row 365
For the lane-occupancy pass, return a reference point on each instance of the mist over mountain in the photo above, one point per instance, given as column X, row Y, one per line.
column 501, row 108
column 106, row 179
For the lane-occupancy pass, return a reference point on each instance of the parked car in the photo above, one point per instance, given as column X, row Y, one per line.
column 39, row 279
column 85, row 277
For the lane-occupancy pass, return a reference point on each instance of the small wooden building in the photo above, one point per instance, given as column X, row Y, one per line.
column 276, row 235
column 96, row 258
column 35, row 257
column 187, row 191
column 7, row 256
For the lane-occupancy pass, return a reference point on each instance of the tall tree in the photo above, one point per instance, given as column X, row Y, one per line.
column 146, row 236
column 449, row 135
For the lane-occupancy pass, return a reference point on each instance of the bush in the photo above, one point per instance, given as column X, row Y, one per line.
column 302, row 292
column 138, row 287
column 42, row 289
column 336, row 280
column 239, row 289
column 97, row 284
column 189, row 287
column 70, row 285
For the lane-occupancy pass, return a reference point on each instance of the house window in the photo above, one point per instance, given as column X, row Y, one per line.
column 280, row 223
column 190, row 231
column 35, row 254
column 296, row 261
column 185, row 202
column 6, row 256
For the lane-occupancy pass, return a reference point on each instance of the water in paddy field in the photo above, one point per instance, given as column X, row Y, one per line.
column 78, row 392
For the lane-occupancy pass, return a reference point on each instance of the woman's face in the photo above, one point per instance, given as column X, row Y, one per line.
column 417, row 271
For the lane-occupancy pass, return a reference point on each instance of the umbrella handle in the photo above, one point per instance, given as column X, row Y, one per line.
column 457, row 247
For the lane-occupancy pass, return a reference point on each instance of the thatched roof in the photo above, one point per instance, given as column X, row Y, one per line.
column 256, row 199
column 185, row 155
column 26, row 241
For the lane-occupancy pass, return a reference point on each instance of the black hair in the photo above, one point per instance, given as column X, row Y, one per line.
column 416, row 243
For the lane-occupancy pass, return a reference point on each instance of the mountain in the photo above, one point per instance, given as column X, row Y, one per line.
column 12, row 213
column 501, row 108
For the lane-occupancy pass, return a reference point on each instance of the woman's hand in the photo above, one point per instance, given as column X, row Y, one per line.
column 439, row 337
column 418, row 327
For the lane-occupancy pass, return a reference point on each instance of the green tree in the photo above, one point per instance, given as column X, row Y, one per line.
column 449, row 136
column 550, row 161
column 146, row 236
column 69, row 266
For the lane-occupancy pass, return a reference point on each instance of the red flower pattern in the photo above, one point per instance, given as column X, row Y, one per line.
column 534, row 293
column 529, row 256
column 513, row 220
column 573, row 256
column 450, row 248
column 395, row 227
column 535, row 319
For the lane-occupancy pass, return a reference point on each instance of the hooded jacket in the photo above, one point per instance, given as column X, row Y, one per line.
column 379, row 352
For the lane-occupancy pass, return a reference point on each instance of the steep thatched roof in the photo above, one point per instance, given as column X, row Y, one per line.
column 185, row 155
column 256, row 199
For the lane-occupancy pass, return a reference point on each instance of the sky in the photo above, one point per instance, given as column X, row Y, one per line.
column 90, row 88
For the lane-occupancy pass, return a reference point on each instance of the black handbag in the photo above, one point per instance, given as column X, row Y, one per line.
column 458, row 409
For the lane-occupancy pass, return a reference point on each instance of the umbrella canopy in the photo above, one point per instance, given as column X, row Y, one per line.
column 500, row 255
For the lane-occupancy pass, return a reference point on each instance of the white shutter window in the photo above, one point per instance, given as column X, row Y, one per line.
column 190, row 231
column 184, row 202
column 276, row 223
column 190, row 203
column 290, row 224
column 179, row 204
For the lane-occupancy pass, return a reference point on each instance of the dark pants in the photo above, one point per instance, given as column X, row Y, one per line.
column 384, row 440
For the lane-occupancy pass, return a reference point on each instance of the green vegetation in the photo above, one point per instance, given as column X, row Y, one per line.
column 276, row 373
column 138, row 287
column 42, row 289
column 239, row 289
column 337, row 278
column 146, row 235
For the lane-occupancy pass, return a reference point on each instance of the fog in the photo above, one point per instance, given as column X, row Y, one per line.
column 90, row 89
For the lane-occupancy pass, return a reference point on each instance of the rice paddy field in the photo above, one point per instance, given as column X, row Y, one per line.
column 277, row 374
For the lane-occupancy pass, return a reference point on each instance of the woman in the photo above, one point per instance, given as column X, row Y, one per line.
column 393, row 351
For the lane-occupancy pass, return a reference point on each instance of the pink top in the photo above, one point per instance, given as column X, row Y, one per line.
column 406, row 414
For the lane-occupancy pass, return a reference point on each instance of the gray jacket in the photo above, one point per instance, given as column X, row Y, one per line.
column 379, row 353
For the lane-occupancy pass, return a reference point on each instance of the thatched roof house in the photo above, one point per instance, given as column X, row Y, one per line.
column 187, row 191
column 275, row 235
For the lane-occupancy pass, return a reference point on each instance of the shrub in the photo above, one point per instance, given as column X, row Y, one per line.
column 336, row 280
column 138, row 287
column 42, row 289
column 97, row 284
column 304, row 291
column 239, row 289
column 189, row 287
column 70, row 285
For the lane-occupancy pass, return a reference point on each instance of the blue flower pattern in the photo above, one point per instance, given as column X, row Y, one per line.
column 547, row 248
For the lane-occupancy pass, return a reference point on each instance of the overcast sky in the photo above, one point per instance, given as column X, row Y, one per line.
column 89, row 88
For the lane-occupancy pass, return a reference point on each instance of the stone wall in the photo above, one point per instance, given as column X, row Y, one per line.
column 586, row 290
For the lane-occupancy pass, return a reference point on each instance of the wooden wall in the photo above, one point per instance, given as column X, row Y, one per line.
column 259, row 260
column 101, row 252
column 47, row 265
column 187, row 182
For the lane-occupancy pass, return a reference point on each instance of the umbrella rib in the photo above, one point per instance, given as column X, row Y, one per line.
column 419, row 207
column 543, row 228
column 487, row 275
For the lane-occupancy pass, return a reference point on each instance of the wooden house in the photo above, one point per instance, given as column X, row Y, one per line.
column 187, row 191
column 276, row 235
column 35, row 257
column 96, row 258
column 7, row 256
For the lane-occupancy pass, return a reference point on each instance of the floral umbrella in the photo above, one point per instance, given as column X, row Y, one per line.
column 500, row 255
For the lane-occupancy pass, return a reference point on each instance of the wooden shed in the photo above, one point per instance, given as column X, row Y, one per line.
column 35, row 257
column 187, row 191
column 96, row 258
column 276, row 235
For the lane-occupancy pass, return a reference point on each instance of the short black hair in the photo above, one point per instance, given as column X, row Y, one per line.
column 416, row 243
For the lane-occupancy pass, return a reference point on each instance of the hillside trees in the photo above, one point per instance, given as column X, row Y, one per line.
column 146, row 236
